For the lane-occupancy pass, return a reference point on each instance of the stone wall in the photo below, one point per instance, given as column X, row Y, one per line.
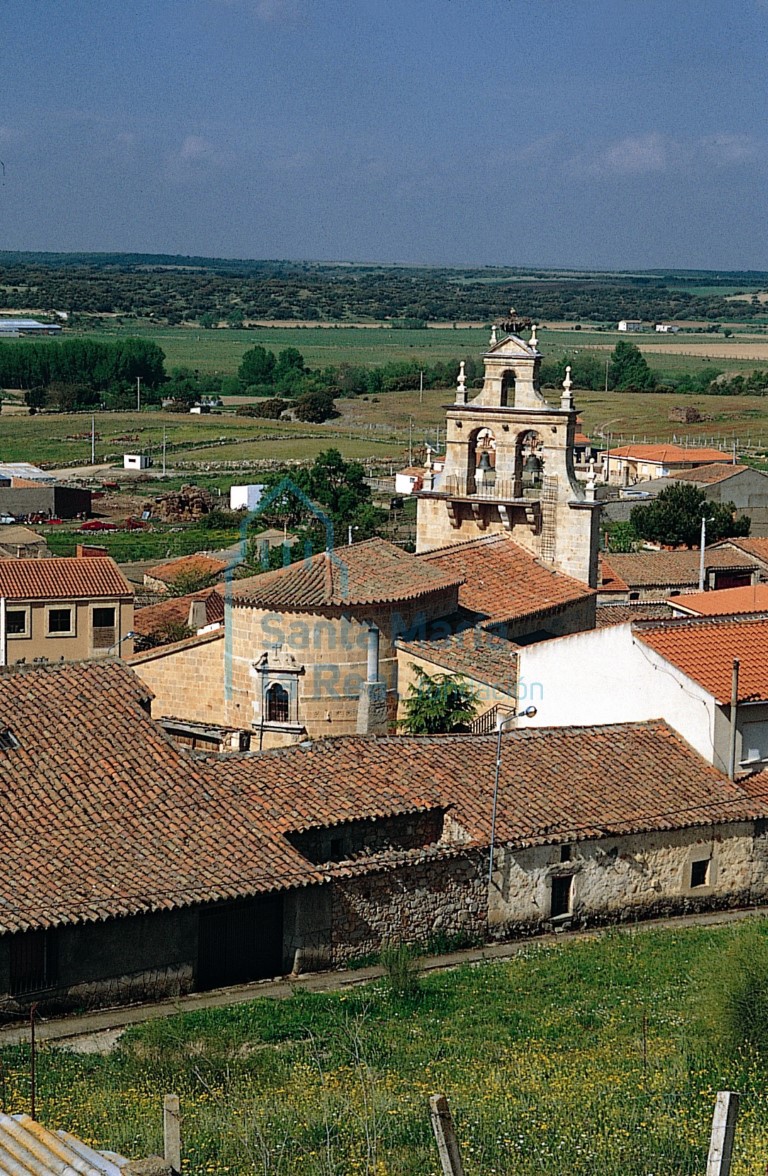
column 412, row 904
column 187, row 678
column 625, row 878
column 355, row 838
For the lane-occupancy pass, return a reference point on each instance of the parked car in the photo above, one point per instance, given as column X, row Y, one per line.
column 6, row 518
column 633, row 494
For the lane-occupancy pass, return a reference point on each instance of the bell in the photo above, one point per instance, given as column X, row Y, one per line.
column 532, row 468
column 484, row 465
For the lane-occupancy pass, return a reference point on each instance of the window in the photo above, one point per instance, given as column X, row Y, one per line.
column 561, row 895
column 17, row 622
column 32, row 962
column 103, row 628
column 700, row 873
column 566, row 852
column 277, row 704
column 60, row 622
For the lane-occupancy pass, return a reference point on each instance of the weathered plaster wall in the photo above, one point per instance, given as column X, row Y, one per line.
column 628, row 877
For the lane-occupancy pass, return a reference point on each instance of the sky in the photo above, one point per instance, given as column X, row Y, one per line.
column 606, row 134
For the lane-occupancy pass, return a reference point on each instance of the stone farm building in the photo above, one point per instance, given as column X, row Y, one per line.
column 132, row 867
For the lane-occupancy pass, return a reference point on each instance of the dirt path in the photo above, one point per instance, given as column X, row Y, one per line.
column 99, row 1031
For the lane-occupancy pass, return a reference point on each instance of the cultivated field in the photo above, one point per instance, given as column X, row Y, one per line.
column 590, row 1057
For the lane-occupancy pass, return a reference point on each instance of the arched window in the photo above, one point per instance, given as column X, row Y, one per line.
column 529, row 465
column 507, row 386
column 481, row 475
column 277, row 704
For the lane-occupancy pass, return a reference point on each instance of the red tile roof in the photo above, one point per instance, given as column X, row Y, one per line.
column 186, row 565
column 157, row 617
column 371, row 572
column 704, row 650
column 752, row 598
column 608, row 579
column 659, row 569
column 62, row 579
column 503, row 582
column 710, row 474
column 619, row 614
column 473, row 653
column 105, row 816
column 669, row 453
column 756, row 547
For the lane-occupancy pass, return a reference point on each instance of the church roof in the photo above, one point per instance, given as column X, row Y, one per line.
column 371, row 572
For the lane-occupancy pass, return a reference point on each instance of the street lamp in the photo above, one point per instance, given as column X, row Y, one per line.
column 528, row 713
column 128, row 637
column 702, row 545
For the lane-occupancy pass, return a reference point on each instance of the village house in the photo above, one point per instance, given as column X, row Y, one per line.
column 164, row 578
column 658, row 575
column 22, row 543
column 198, row 612
column 753, row 598
column 132, row 868
column 629, row 464
column 63, row 609
column 682, row 669
column 745, row 487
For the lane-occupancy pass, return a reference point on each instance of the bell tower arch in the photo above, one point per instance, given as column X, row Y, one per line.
column 509, row 467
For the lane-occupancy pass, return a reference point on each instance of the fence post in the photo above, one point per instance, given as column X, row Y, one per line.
column 172, row 1131
column 723, row 1131
column 445, row 1136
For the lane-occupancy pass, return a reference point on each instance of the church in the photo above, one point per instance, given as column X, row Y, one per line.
column 506, row 553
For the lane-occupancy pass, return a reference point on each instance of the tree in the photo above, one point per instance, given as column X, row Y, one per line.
column 674, row 518
column 629, row 370
column 315, row 407
column 257, row 366
column 438, row 704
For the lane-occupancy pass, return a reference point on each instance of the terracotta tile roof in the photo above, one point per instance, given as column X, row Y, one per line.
column 657, row 569
column 669, row 453
column 503, row 582
column 62, row 579
column 175, row 611
column 619, row 614
column 186, row 565
column 556, row 784
column 756, row 547
column 371, row 572
column 707, row 475
column 752, row 598
column 704, row 650
column 607, row 577
column 474, row 653
column 105, row 816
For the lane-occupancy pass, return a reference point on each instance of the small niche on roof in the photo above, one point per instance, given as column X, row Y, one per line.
column 8, row 740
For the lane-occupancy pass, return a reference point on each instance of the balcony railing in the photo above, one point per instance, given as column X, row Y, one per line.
column 500, row 490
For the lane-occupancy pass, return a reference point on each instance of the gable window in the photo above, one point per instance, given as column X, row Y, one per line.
column 700, row 873
column 562, row 887
column 277, row 704
column 104, row 627
column 60, row 622
column 17, row 622
column 32, row 962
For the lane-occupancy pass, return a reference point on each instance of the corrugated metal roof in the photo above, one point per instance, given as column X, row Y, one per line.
column 28, row 1147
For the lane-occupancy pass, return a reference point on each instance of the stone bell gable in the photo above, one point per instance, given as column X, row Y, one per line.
column 509, row 467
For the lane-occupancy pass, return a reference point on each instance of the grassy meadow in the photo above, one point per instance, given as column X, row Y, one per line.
column 587, row 1057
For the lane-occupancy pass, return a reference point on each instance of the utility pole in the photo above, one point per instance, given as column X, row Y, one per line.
column 606, row 374
column 702, row 546
column 93, row 440
column 421, row 387
column 138, row 393
column 164, row 438
column 410, row 441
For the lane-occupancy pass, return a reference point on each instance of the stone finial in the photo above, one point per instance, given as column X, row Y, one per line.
column 428, row 462
column 566, row 400
column 533, row 341
column 494, row 340
column 591, row 483
column 461, row 388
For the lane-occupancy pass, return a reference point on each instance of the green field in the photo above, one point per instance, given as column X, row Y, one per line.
column 586, row 1058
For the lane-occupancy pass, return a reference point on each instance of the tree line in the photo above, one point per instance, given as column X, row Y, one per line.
column 78, row 373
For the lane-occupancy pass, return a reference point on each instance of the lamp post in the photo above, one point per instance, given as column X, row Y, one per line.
column 128, row 637
column 702, row 546
column 528, row 713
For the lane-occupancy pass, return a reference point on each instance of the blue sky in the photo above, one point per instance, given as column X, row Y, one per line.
column 579, row 133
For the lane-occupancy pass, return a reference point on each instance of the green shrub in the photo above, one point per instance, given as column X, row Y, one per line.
column 402, row 970
column 732, row 998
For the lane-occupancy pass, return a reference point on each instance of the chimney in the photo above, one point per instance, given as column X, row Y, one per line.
column 373, row 654
column 198, row 615
column 90, row 551
column 372, row 701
